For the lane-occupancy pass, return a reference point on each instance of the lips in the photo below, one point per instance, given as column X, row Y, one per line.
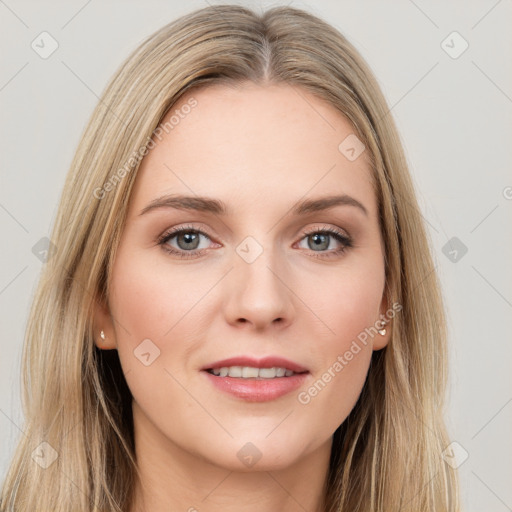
column 255, row 380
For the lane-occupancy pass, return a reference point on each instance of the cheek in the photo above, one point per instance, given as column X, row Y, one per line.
column 345, row 302
column 155, row 326
column 161, row 310
column 154, row 301
column 348, row 307
column 335, row 387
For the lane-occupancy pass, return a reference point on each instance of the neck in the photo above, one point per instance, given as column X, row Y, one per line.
column 172, row 478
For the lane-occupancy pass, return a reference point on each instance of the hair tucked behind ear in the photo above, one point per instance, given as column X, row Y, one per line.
column 387, row 455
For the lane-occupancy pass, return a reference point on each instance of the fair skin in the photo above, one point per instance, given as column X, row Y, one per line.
column 258, row 149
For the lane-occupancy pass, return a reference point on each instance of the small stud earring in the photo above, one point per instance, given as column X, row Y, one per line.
column 382, row 330
column 102, row 335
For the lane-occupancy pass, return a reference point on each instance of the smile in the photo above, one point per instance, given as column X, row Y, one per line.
column 255, row 379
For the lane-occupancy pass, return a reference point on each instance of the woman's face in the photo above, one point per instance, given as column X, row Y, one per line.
column 275, row 278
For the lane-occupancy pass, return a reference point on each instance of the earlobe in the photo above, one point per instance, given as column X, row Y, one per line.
column 383, row 334
column 103, row 327
column 383, row 326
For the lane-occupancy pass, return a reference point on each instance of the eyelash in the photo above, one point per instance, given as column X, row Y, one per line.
column 337, row 235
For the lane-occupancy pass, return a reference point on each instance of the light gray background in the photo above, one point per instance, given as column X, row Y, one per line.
column 454, row 116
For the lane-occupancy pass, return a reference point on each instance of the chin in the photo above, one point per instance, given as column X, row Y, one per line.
column 259, row 454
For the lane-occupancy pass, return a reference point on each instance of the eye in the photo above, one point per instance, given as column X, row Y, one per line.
column 184, row 241
column 326, row 241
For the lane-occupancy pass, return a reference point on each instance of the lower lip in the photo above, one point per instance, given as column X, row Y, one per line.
column 257, row 390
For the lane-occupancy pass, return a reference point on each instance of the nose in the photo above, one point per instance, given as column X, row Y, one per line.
column 258, row 295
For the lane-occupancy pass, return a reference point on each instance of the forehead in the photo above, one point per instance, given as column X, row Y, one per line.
column 250, row 145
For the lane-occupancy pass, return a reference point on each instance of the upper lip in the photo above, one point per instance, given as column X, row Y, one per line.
column 253, row 362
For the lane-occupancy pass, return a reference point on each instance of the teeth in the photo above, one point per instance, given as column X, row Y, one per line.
column 266, row 373
column 235, row 371
column 249, row 372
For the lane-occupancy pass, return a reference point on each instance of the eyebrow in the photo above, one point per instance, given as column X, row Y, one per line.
column 215, row 206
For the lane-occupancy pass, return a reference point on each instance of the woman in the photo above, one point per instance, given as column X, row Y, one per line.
column 241, row 311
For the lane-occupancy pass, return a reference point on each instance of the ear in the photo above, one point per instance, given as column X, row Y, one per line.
column 383, row 322
column 102, row 321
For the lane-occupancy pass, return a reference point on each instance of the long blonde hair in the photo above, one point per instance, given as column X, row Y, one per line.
column 386, row 456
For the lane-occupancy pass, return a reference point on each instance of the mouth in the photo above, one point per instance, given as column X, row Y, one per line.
column 256, row 380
